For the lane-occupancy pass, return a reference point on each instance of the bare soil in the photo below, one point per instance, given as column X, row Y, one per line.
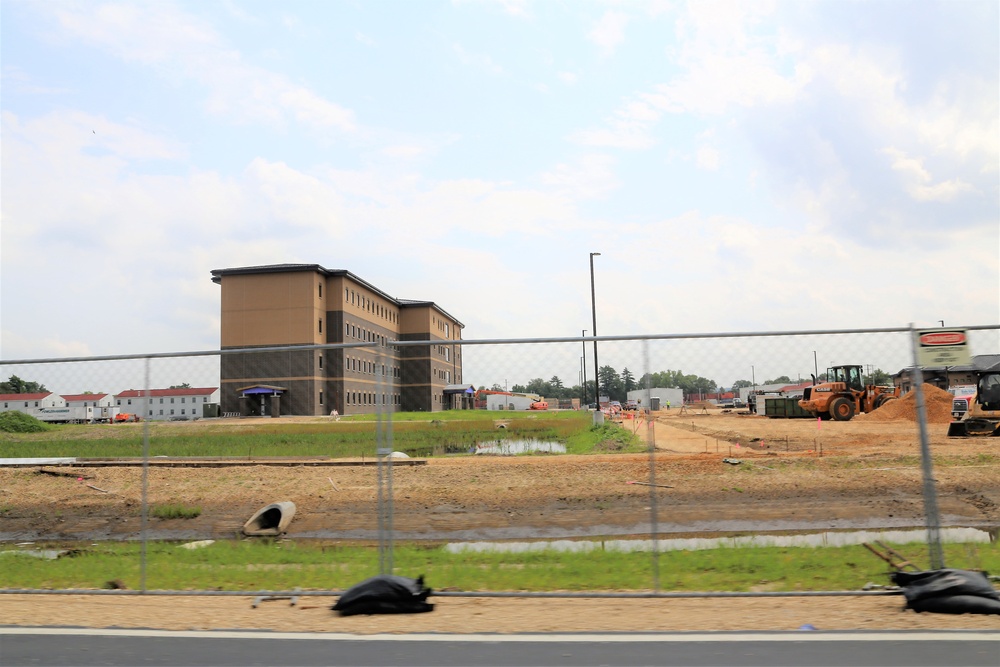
column 795, row 474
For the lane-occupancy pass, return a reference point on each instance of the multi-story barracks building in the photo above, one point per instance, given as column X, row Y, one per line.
column 297, row 305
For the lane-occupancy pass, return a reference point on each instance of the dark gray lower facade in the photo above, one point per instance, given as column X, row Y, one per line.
column 314, row 382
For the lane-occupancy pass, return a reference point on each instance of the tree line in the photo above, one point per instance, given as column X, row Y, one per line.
column 613, row 384
column 616, row 385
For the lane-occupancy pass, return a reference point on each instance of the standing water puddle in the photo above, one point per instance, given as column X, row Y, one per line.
column 514, row 447
column 825, row 539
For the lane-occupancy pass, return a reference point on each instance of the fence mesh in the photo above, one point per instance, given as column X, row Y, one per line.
column 356, row 467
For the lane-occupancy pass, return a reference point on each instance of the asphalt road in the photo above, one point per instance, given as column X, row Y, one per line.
column 85, row 648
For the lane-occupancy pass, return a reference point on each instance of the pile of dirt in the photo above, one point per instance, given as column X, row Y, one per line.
column 937, row 401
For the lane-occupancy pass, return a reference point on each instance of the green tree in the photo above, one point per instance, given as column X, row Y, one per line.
column 690, row 384
column 15, row 385
column 538, row 386
column 878, row 376
column 781, row 379
column 739, row 384
column 628, row 380
column 180, row 386
column 611, row 383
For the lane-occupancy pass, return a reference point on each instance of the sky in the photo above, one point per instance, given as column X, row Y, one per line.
column 739, row 166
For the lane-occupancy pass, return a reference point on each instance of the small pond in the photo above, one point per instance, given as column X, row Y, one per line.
column 514, row 447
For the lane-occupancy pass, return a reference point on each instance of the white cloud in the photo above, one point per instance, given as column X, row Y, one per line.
column 403, row 151
column 592, row 177
column 608, row 32
column 477, row 60
column 708, row 158
column 628, row 128
column 180, row 46
column 918, row 180
column 518, row 8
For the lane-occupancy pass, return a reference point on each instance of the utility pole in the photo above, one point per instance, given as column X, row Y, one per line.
column 593, row 308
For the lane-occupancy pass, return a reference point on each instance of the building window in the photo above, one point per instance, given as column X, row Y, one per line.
column 183, row 400
column 171, row 400
column 321, row 325
column 321, row 290
column 321, row 398
column 321, row 361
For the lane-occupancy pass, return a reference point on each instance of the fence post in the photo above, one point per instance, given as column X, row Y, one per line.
column 930, row 491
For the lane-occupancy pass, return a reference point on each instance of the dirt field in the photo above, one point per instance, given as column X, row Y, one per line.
column 794, row 475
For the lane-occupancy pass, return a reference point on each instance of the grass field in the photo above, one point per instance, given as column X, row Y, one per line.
column 417, row 434
column 284, row 565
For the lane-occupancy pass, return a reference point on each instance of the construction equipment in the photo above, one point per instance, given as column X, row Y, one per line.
column 844, row 394
column 983, row 415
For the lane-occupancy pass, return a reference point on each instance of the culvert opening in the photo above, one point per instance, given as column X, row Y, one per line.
column 270, row 520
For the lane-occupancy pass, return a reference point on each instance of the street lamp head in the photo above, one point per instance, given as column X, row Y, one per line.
column 594, row 254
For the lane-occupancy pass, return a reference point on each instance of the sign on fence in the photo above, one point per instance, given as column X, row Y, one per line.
column 943, row 347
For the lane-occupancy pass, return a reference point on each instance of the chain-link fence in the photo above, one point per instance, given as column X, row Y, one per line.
column 185, row 447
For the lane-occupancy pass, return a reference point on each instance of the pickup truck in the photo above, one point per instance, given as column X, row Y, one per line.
column 964, row 395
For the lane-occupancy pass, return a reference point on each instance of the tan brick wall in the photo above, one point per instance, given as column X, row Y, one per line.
column 272, row 309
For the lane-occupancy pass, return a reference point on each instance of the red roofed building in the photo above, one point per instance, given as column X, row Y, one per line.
column 168, row 404
column 25, row 402
column 88, row 400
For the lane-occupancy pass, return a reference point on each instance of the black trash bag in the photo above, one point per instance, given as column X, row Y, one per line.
column 385, row 594
column 948, row 591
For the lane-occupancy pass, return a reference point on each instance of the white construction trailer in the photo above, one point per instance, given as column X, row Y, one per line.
column 74, row 415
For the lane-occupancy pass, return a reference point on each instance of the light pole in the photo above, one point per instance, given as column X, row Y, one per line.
column 593, row 308
column 583, row 362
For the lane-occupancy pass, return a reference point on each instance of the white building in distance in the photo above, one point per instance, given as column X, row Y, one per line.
column 179, row 404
